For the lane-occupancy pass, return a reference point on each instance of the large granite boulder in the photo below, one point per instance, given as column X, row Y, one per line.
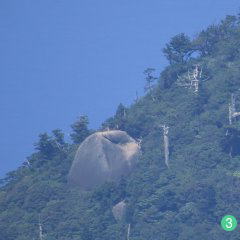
column 103, row 156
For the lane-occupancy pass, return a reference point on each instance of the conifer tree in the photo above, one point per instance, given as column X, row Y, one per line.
column 80, row 129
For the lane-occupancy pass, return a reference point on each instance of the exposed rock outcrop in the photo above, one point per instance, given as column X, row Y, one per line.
column 103, row 156
column 119, row 211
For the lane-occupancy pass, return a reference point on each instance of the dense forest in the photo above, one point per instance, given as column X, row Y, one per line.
column 184, row 200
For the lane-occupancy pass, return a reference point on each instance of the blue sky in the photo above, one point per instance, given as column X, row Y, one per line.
column 60, row 59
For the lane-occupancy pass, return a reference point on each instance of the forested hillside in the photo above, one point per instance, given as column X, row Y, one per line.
column 185, row 200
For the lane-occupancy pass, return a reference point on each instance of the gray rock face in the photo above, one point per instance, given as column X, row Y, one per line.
column 119, row 211
column 103, row 156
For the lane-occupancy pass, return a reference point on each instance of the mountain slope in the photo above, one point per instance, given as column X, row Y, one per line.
column 186, row 200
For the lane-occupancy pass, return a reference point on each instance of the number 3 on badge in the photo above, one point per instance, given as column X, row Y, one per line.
column 229, row 223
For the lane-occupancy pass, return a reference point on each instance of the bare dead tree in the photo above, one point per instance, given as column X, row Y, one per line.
column 192, row 79
column 60, row 146
column 232, row 115
column 124, row 112
column 166, row 143
column 27, row 163
column 40, row 228
column 232, row 109
column 139, row 142
column 128, row 231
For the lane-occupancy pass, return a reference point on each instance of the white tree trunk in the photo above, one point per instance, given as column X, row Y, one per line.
column 40, row 229
column 232, row 110
column 40, row 232
column 166, row 149
column 166, row 144
column 128, row 231
column 192, row 79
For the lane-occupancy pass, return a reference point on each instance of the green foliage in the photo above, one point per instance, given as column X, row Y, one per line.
column 80, row 130
column 45, row 145
column 150, row 79
column 59, row 137
column 179, row 49
column 119, row 119
column 231, row 141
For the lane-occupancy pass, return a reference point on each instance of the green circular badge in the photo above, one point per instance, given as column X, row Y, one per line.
column 229, row 223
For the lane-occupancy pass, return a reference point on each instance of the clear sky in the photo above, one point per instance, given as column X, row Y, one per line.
column 60, row 59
